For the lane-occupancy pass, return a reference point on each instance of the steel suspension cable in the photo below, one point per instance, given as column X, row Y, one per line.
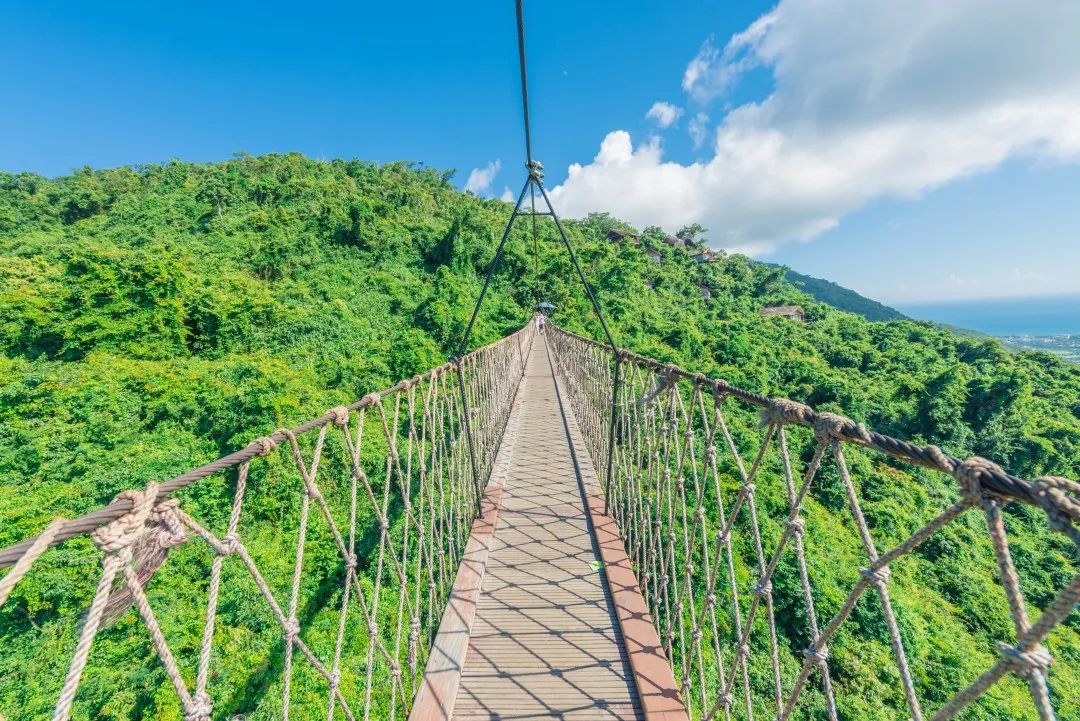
column 524, row 82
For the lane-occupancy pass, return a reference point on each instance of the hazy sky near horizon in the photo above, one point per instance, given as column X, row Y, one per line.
column 911, row 151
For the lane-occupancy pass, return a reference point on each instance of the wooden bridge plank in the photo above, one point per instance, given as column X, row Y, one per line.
column 545, row 642
column 544, row 638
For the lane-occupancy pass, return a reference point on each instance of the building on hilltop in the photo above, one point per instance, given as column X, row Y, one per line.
column 704, row 255
column 705, row 290
column 622, row 236
column 654, row 255
column 675, row 241
column 791, row 312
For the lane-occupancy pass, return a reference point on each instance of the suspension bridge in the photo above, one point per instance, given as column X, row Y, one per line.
column 512, row 578
column 546, row 527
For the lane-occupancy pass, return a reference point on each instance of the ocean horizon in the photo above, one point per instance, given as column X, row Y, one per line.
column 1035, row 316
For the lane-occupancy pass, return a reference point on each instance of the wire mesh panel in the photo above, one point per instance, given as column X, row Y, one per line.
column 376, row 501
column 734, row 507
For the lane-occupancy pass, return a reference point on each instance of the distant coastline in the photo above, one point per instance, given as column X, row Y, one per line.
column 1005, row 317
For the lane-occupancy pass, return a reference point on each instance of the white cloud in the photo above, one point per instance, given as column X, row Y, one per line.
column 479, row 179
column 664, row 113
column 712, row 73
column 699, row 129
column 871, row 98
column 507, row 195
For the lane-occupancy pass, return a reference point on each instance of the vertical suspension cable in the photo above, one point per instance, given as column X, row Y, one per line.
column 528, row 144
column 524, row 84
column 536, row 247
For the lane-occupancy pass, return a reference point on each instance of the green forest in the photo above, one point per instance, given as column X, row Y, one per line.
column 843, row 298
column 153, row 318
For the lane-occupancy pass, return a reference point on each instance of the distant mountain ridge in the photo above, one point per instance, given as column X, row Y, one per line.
column 842, row 298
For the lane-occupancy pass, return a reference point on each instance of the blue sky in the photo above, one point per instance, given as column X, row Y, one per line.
column 910, row 155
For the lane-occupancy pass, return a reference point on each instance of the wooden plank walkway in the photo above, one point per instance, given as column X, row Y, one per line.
column 531, row 631
column 545, row 642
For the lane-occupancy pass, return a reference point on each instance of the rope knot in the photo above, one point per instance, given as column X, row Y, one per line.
column 231, row 542
column 341, row 415
column 763, row 588
column 266, row 445
column 835, row 426
column 726, row 699
column 723, row 537
column 747, row 489
column 167, row 515
column 122, row 533
column 797, row 526
column 201, row 708
column 350, row 562
column 696, row 634
column 817, row 655
column 292, row 630
column 1060, row 498
column 335, row 680
column 371, row 399
column 373, row 629
column 781, row 411
column 970, row 475
column 710, row 599
column 699, row 512
column 742, row 650
column 1026, row 661
column 710, row 453
column 878, row 576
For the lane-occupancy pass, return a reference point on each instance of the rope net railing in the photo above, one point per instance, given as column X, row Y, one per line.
column 386, row 484
column 721, row 570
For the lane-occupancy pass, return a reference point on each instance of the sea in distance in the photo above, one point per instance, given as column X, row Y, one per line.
column 1050, row 315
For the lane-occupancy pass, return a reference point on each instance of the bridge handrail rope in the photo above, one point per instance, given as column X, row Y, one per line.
column 671, row 452
column 420, row 500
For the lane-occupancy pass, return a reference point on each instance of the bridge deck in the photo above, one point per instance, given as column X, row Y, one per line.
column 531, row 630
column 545, row 641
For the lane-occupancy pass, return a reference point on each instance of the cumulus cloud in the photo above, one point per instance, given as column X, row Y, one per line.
column 479, row 179
column 507, row 195
column 870, row 98
column 665, row 114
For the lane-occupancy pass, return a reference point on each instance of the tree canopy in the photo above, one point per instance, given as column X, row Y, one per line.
column 153, row 318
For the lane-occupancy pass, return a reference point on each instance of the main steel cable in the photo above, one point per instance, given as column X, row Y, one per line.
column 524, row 84
column 536, row 247
column 528, row 143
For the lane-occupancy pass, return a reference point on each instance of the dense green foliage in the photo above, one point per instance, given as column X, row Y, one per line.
column 153, row 318
column 842, row 298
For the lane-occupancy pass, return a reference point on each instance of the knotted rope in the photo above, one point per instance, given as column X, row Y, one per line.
column 680, row 514
column 421, row 502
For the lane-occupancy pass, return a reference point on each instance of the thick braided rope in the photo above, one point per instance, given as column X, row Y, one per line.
column 663, row 510
column 40, row 545
column 426, row 472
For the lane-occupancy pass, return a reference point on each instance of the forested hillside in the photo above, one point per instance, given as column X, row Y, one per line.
column 842, row 298
column 154, row 318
